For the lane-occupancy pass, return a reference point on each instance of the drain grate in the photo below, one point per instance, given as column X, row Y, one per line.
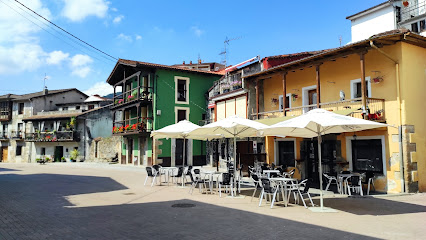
column 130, row 193
column 183, row 205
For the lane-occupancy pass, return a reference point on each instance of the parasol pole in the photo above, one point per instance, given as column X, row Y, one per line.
column 320, row 166
column 183, row 160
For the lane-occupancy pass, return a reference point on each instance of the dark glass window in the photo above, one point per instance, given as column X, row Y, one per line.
column 18, row 150
column 43, row 151
column 77, row 107
column 414, row 27
column 358, row 92
column 181, row 91
column 367, row 155
column 21, row 108
column 422, row 25
column 286, row 153
column 181, row 115
column 91, row 107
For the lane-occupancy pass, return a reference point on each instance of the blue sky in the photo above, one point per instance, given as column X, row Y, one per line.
column 165, row 32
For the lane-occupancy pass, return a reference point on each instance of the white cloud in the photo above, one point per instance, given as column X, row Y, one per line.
column 21, row 57
column 124, row 37
column 80, row 65
column 197, row 31
column 78, row 10
column 56, row 57
column 118, row 19
column 138, row 37
column 114, row 9
column 101, row 88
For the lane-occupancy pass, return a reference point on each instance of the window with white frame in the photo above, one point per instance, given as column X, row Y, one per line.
column 366, row 154
column 181, row 113
column 356, row 89
column 181, row 90
column 281, row 101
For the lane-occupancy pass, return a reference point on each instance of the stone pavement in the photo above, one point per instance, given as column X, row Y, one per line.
column 95, row 201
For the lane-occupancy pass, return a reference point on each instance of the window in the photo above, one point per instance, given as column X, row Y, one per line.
column 18, row 150
column 20, row 129
column 367, row 155
column 77, row 107
column 181, row 113
column 182, row 90
column 356, row 91
column 21, row 108
column 288, row 104
column 286, row 152
column 414, row 27
column 422, row 25
column 91, row 107
column 43, row 151
column 64, row 108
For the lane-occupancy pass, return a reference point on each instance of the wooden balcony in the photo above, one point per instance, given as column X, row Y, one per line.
column 352, row 107
column 132, row 126
column 54, row 136
column 4, row 136
column 136, row 95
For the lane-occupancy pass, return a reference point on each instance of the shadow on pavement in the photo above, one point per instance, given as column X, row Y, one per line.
column 33, row 207
column 8, row 170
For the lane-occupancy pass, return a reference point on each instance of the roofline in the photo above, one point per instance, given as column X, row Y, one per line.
column 160, row 66
column 337, row 50
column 368, row 10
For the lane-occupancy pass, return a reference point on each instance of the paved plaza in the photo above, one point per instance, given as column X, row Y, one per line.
column 99, row 201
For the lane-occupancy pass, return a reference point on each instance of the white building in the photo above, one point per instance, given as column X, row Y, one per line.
column 387, row 16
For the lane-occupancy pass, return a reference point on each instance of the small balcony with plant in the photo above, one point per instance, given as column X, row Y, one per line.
column 134, row 95
column 227, row 84
column 135, row 125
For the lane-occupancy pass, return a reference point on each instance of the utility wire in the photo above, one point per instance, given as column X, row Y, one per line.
column 97, row 49
column 56, row 35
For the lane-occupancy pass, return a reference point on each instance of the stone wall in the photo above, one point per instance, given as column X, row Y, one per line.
column 106, row 148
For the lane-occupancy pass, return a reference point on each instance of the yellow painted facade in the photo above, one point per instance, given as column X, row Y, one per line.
column 340, row 74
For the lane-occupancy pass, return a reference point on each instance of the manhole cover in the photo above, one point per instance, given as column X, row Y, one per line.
column 130, row 193
column 183, row 205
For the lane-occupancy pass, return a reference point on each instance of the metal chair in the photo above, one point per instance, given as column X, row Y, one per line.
column 226, row 181
column 296, row 190
column 178, row 175
column 330, row 180
column 369, row 176
column 257, row 183
column 196, row 179
column 268, row 190
column 150, row 174
column 355, row 184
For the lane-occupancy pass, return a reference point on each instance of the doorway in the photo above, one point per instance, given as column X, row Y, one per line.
column 130, row 150
column 4, row 154
column 286, row 153
column 59, row 153
column 179, row 152
column 312, row 96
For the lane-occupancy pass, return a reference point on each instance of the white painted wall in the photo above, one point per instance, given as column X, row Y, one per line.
column 379, row 21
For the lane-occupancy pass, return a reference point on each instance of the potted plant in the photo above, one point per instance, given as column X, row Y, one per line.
column 236, row 85
column 225, row 88
column 63, row 159
column 74, row 155
column 294, row 96
column 73, row 122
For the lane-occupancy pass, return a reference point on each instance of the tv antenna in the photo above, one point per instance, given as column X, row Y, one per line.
column 226, row 42
column 44, row 80
column 340, row 40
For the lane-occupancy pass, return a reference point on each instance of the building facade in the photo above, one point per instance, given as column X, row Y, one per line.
column 379, row 79
column 151, row 96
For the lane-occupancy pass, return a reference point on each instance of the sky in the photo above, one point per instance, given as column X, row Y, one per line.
column 164, row 32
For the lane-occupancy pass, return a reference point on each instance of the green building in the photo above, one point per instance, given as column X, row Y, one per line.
column 151, row 96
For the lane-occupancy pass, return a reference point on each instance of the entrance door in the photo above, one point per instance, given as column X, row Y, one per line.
column 286, row 154
column 179, row 152
column 59, row 153
column 312, row 96
column 4, row 154
column 130, row 150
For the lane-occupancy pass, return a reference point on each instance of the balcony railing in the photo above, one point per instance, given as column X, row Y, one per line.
column 228, row 84
column 134, row 95
column 414, row 9
column 375, row 109
column 16, row 134
column 132, row 126
column 4, row 136
column 55, row 136
column 5, row 116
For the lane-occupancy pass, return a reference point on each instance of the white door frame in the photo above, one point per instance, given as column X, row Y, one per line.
column 305, row 96
column 276, row 148
column 349, row 149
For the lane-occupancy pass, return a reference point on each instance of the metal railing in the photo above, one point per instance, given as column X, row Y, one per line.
column 414, row 9
column 134, row 94
column 375, row 109
column 133, row 125
column 4, row 136
column 16, row 134
column 54, row 136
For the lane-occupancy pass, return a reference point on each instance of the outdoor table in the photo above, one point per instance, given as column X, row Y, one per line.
column 268, row 172
column 167, row 171
column 210, row 175
column 282, row 181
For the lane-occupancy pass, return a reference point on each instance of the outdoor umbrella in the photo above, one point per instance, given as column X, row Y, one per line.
column 316, row 123
column 177, row 130
column 231, row 127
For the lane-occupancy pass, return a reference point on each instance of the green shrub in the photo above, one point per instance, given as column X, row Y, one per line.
column 74, row 154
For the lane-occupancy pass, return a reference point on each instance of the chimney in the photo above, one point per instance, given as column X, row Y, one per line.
column 183, row 63
column 190, row 62
column 199, row 61
column 45, row 91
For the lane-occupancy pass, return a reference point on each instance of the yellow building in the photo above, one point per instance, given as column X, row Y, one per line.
column 393, row 65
